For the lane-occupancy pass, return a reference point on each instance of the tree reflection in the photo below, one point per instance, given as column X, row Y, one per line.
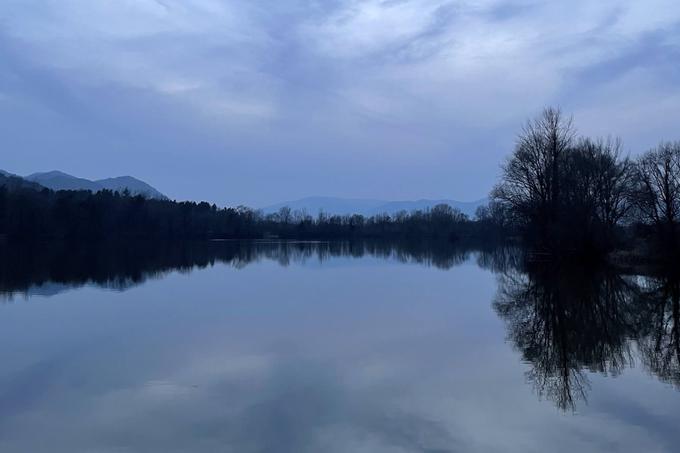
column 56, row 266
column 566, row 320
column 659, row 326
column 499, row 259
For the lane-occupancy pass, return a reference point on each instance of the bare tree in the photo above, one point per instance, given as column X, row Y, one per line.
column 657, row 189
column 599, row 181
column 613, row 182
column 530, row 183
column 285, row 214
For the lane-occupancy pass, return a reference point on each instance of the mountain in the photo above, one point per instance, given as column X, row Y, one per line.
column 57, row 180
column 369, row 207
column 14, row 182
column 134, row 185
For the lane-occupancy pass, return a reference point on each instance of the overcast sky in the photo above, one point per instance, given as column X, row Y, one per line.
column 257, row 102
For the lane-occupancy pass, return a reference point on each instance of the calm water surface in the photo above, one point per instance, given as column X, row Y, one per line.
column 317, row 347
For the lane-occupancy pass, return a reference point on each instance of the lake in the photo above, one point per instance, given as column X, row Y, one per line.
column 331, row 347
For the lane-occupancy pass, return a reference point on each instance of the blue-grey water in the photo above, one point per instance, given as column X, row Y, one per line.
column 291, row 347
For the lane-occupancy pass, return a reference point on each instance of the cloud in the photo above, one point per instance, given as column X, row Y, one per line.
column 391, row 86
column 199, row 51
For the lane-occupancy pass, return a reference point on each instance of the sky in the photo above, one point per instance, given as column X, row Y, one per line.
column 255, row 102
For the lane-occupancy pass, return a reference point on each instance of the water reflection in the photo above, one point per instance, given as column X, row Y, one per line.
column 568, row 321
column 48, row 269
column 564, row 321
column 658, row 326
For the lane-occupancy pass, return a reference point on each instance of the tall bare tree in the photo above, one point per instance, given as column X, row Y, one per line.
column 530, row 183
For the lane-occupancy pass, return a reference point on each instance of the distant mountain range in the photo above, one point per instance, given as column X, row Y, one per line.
column 57, row 180
column 369, row 207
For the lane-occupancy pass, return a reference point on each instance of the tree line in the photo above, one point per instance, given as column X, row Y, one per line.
column 28, row 212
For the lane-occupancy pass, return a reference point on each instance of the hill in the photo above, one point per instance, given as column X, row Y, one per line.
column 14, row 182
column 134, row 185
column 57, row 180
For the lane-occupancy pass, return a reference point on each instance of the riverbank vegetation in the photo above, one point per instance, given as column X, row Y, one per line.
column 558, row 194
column 26, row 214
